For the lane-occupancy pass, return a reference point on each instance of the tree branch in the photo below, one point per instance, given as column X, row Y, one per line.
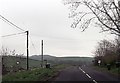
column 111, row 17
column 100, row 20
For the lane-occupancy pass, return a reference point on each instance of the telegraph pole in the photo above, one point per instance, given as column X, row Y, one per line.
column 27, row 51
column 42, row 53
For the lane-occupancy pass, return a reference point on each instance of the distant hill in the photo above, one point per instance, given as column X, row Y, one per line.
column 64, row 60
column 77, row 58
column 46, row 57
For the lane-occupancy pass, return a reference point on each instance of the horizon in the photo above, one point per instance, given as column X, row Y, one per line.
column 65, row 55
column 51, row 56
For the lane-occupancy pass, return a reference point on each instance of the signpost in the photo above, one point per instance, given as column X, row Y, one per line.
column 99, row 62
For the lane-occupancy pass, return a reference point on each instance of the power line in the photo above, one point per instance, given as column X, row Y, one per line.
column 6, row 20
column 12, row 34
column 33, row 44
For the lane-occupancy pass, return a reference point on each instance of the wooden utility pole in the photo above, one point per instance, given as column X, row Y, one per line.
column 27, row 51
column 42, row 53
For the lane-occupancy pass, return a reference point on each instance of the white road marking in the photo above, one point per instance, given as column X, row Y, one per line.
column 87, row 75
column 80, row 68
column 83, row 71
column 94, row 81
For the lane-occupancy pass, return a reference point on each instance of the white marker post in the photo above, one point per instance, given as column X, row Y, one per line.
column 99, row 62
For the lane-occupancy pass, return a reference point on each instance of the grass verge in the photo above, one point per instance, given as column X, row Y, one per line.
column 114, row 71
column 40, row 74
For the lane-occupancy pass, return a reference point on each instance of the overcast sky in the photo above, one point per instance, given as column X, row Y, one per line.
column 46, row 20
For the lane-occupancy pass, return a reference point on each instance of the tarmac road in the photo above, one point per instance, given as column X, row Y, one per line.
column 85, row 74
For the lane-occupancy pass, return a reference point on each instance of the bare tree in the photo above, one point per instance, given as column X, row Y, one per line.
column 106, row 52
column 104, row 48
column 117, row 48
column 104, row 13
column 6, row 52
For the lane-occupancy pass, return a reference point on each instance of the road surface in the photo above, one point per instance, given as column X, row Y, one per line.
column 85, row 74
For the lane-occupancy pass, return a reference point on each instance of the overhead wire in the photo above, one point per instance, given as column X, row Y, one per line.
column 6, row 20
column 9, row 22
column 13, row 34
column 33, row 44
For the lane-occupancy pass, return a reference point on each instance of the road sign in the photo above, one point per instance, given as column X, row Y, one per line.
column 99, row 61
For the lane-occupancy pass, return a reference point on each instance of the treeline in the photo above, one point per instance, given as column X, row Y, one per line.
column 108, row 53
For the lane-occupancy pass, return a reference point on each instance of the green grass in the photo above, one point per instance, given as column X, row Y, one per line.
column 113, row 70
column 41, row 74
column 116, row 70
column 61, row 66
column 31, row 75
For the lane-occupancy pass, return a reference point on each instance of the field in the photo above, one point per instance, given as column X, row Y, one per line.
column 10, row 63
column 76, row 60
